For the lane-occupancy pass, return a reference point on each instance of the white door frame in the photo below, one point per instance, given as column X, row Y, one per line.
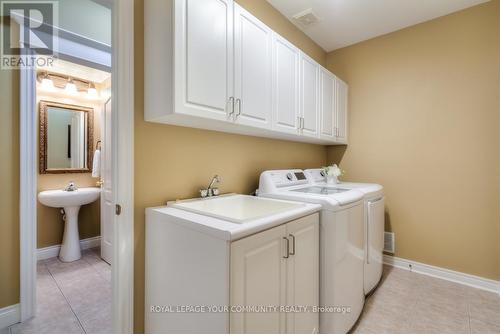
column 28, row 196
column 123, row 101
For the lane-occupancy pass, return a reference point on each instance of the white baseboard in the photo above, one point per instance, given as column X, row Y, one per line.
column 442, row 273
column 10, row 315
column 53, row 251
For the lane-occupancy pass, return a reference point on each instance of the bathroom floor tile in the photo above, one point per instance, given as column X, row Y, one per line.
column 92, row 256
column 72, row 298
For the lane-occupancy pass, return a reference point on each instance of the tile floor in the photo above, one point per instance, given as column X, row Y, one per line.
column 72, row 297
column 407, row 302
column 76, row 298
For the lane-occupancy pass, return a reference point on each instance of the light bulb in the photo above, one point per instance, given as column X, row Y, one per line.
column 47, row 84
column 71, row 88
column 91, row 91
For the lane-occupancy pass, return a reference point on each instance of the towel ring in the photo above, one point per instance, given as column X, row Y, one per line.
column 98, row 145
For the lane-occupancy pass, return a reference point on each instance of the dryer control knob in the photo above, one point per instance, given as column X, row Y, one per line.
column 289, row 176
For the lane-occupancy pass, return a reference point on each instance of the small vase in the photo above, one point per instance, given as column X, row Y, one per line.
column 331, row 179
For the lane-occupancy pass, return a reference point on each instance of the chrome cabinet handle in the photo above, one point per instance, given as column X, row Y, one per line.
column 293, row 244
column 301, row 123
column 231, row 101
column 287, row 248
column 238, row 105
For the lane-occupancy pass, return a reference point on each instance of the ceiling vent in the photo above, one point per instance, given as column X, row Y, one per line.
column 306, row 17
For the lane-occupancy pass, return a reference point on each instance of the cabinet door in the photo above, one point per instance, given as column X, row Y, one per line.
column 285, row 85
column 303, row 274
column 341, row 111
column 327, row 104
column 253, row 74
column 258, row 277
column 204, row 57
column 309, row 71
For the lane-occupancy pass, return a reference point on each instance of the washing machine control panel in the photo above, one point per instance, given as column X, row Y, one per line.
column 316, row 175
column 284, row 178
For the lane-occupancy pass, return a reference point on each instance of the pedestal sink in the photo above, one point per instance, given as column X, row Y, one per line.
column 70, row 201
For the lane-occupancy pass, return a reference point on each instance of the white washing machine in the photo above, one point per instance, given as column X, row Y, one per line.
column 374, row 224
column 341, row 243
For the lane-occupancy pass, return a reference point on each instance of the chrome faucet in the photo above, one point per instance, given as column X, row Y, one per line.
column 211, row 190
column 71, row 186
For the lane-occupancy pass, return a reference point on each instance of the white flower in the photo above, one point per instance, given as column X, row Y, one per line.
column 333, row 170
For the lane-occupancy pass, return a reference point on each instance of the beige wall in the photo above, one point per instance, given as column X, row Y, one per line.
column 425, row 123
column 49, row 220
column 175, row 162
column 9, row 182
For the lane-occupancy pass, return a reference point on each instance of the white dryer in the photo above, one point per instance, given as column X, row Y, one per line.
column 341, row 243
column 374, row 224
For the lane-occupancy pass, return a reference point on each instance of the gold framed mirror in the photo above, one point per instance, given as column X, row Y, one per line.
column 66, row 138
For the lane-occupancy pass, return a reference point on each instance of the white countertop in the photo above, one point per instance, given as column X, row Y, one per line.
column 227, row 230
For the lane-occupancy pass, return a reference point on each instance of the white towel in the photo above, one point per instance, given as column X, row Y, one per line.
column 96, row 164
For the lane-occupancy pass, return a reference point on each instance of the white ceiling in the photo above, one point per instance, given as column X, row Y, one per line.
column 345, row 22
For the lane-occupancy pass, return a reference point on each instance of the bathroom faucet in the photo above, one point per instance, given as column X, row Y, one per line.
column 211, row 190
column 71, row 186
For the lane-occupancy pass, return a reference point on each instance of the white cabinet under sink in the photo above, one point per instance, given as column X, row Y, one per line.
column 258, row 277
column 211, row 64
column 189, row 265
column 279, row 266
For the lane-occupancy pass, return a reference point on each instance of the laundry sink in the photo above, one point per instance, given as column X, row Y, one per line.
column 62, row 198
column 236, row 208
column 70, row 201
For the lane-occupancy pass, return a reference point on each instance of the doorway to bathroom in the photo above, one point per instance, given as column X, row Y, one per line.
column 76, row 256
column 74, row 214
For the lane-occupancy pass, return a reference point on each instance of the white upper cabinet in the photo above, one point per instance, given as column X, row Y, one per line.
column 205, row 35
column 253, row 71
column 285, row 85
column 210, row 64
column 341, row 124
column 309, row 96
column 327, row 104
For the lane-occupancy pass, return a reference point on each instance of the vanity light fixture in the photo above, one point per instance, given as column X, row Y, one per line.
column 70, row 88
